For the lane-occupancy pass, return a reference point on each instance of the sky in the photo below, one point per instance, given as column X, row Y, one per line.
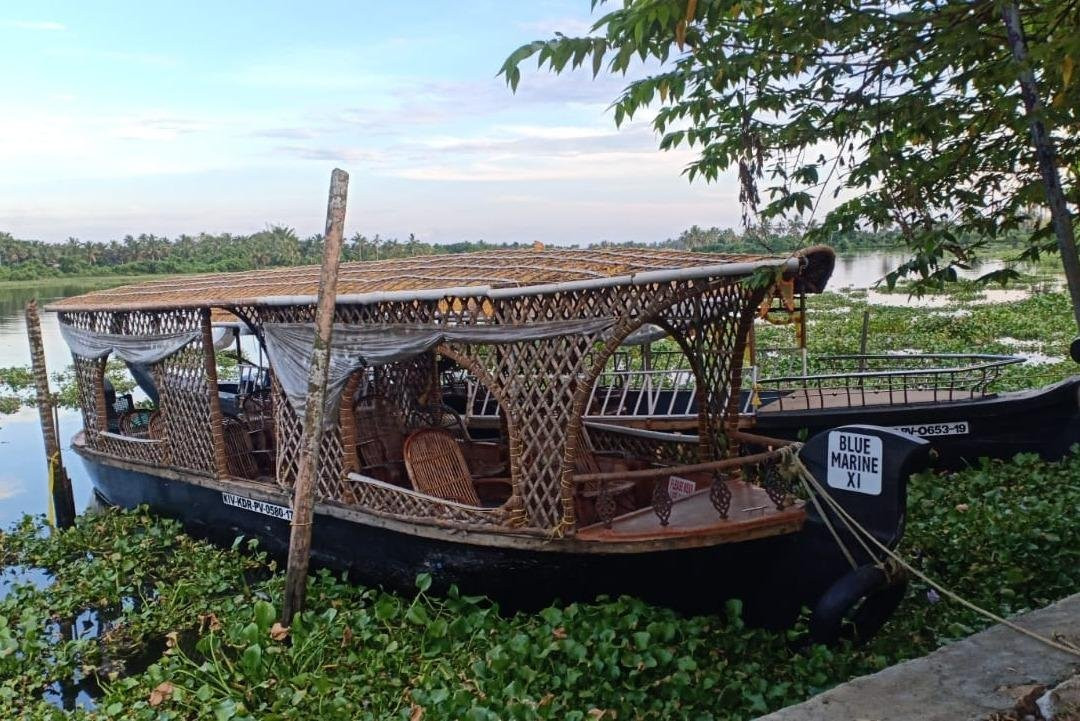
column 168, row 118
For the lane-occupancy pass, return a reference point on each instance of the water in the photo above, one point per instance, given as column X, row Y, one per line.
column 864, row 269
column 23, row 469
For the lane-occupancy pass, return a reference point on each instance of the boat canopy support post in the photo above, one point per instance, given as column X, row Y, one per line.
column 303, row 505
column 217, row 428
column 63, row 501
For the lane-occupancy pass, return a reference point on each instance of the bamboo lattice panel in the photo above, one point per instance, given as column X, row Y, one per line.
column 406, row 504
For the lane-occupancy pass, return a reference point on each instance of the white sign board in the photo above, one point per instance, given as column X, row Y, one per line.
column 250, row 504
column 854, row 462
column 679, row 487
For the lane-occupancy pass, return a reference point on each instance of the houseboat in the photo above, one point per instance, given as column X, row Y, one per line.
column 548, row 505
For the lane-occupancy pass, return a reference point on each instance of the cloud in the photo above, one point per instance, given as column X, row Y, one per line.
column 284, row 133
column 336, row 155
column 43, row 25
column 38, row 142
column 158, row 128
column 559, row 132
column 10, row 487
column 511, row 167
column 538, row 140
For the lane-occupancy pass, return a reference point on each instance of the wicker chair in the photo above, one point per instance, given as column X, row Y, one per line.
column 486, row 458
column 437, row 467
column 142, row 423
column 380, row 440
column 242, row 459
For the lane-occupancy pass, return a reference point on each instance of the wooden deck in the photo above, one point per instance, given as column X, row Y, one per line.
column 813, row 399
column 752, row 515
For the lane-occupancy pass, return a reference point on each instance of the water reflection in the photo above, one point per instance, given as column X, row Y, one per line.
column 863, row 270
column 24, row 484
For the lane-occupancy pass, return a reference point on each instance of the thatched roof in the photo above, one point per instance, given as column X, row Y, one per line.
column 496, row 273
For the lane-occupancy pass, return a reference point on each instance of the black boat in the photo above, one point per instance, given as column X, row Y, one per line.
column 549, row 506
column 949, row 399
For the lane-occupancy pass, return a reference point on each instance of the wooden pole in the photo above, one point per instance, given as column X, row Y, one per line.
column 863, row 337
column 308, row 472
column 63, row 501
column 1045, row 155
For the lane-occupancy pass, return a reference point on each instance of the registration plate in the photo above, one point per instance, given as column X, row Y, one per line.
column 250, row 504
column 932, row 430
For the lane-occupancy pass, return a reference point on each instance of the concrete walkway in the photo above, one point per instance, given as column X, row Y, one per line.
column 969, row 679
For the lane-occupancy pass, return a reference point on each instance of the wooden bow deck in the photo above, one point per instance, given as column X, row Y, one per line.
column 752, row 515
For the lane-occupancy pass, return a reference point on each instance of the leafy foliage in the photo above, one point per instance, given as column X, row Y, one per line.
column 149, row 254
column 1001, row 534
column 908, row 110
column 1038, row 325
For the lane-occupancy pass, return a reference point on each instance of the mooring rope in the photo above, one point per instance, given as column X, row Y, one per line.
column 814, row 488
column 54, row 461
column 790, row 465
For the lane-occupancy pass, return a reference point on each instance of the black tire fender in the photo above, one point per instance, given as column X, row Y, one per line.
column 865, row 597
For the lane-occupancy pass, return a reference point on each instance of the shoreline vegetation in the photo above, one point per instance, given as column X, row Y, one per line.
column 278, row 246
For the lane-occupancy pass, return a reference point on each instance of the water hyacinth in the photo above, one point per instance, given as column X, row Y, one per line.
column 186, row 630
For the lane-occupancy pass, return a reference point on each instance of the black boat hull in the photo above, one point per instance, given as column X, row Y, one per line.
column 1044, row 421
column 773, row 576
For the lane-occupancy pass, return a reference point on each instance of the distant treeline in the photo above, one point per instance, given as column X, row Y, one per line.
column 279, row 246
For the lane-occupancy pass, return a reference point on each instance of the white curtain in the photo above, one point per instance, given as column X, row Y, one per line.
column 289, row 346
column 141, row 350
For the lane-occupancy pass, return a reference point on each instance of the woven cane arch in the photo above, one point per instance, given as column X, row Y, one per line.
column 715, row 331
column 473, row 364
column 347, row 420
column 704, row 439
column 187, row 389
column 739, row 299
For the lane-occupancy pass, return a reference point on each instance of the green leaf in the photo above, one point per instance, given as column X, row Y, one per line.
column 265, row 615
column 225, row 710
column 251, row 633
column 386, row 608
column 252, row 659
column 417, row 614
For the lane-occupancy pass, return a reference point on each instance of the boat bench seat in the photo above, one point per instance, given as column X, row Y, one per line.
column 751, row 515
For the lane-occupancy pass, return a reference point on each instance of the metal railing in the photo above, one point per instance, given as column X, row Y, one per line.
column 655, row 393
column 881, row 379
column 669, row 392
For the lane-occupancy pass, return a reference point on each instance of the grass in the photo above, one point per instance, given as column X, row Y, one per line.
column 88, row 282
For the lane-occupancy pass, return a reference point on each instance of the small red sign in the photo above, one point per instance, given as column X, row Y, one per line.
column 679, row 487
